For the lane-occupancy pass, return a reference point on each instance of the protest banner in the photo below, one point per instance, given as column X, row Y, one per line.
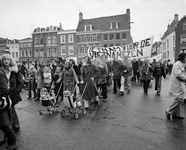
column 141, row 49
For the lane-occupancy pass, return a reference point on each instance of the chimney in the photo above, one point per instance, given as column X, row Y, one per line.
column 80, row 16
column 176, row 17
column 127, row 11
column 60, row 26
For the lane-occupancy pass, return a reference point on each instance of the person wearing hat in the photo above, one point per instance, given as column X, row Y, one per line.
column 177, row 88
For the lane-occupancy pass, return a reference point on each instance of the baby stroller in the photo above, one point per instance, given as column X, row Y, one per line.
column 72, row 103
column 48, row 100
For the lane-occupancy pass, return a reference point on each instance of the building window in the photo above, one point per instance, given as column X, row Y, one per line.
column 88, row 38
column 114, row 25
column 70, row 38
column 22, row 53
column 82, row 38
column 21, row 45
column 13, row 54
column 117, row 36
column 164, row 45
column 173, row 51
column 48, row 40
column 174, row 40
column 36, row 41
column 88, row 27
column 37, row 53
column 80, row 49
column 54, row 52
column 25, row 45
column 105, row 45
column 86, row 50
column 124, row 36
column 184, row 26
column 17, row 55
column 167, row 54
column 71, row 50
column 48, row 52
column 30, row 53
column 94, row 38
column 111, row 45
column 117, row 44
column 62, row 38
column 29, row 44
column 105, row 37
column 26, row 54
column 183, row 40
column 167, row 44
column 41, row 53
column 41, row 40
column 63, row 50
column 111, row 36
column 54, row 40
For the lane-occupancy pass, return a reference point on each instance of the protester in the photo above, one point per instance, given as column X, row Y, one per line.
column 116, row 70
column 102, row 78
column 89, row 72
column 177, row 88
column 32, row 85
column 146, row 71
column 15, row 85
column 135, row 68
column 40, row 78
column 68, row 77
column 6, row 114
column 47, row 74
column 157, row 74
column 126, row 73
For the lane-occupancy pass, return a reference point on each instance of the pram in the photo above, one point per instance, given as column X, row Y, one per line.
column 48, row 100
column 72, row 103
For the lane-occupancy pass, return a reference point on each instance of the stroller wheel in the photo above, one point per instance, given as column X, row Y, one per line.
column 62, row 113
column 40, row 111
column 83, row 111
column 50, row 113
column 76, row 115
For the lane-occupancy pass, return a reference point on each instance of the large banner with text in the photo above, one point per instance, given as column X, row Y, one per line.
column 141, row 49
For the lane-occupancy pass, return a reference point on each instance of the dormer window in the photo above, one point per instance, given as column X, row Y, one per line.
column 88, row 27
column 114, row 25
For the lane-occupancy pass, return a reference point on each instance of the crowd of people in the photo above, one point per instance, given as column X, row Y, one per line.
column 61, row 75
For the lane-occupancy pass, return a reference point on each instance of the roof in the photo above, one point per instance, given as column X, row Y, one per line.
column 15, row 41
column 26, row 39
column 170, row 28
column 103, row 23
column 4, row 41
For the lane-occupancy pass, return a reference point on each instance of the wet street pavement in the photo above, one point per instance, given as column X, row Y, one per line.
column 131, row 122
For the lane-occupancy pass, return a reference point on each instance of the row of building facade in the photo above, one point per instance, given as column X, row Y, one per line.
column 53, row 41
column 173, row 40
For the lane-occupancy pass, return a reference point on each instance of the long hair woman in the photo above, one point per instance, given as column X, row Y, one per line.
column 6, row 114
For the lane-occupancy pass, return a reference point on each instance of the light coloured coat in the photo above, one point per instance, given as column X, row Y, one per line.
column 176, row 88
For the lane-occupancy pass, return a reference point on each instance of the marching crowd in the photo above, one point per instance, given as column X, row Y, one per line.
column 61, row 75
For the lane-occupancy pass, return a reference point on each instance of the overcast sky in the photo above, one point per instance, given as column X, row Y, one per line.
column 18, row 18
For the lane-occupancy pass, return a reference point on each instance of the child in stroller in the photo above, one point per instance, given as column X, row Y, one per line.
column 48, row 100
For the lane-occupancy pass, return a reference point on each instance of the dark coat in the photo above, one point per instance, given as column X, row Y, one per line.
column 5, row 115
column 16, row 85
column 156, row 72
column 135, row 67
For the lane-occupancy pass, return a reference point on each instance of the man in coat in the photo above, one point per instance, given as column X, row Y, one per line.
column 177, row 88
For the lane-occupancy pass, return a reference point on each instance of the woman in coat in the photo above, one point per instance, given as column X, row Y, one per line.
column 6, row 115
column 146, row 72
column 40, row 78
column 15, row 85
column 89, row 73
column 176, row 88
column 102, row 79
column 126, row 73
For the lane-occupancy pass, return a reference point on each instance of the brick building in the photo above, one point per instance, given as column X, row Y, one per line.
column 181, row 36
column 103, row 32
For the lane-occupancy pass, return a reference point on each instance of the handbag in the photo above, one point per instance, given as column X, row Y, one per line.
column 5, row 102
